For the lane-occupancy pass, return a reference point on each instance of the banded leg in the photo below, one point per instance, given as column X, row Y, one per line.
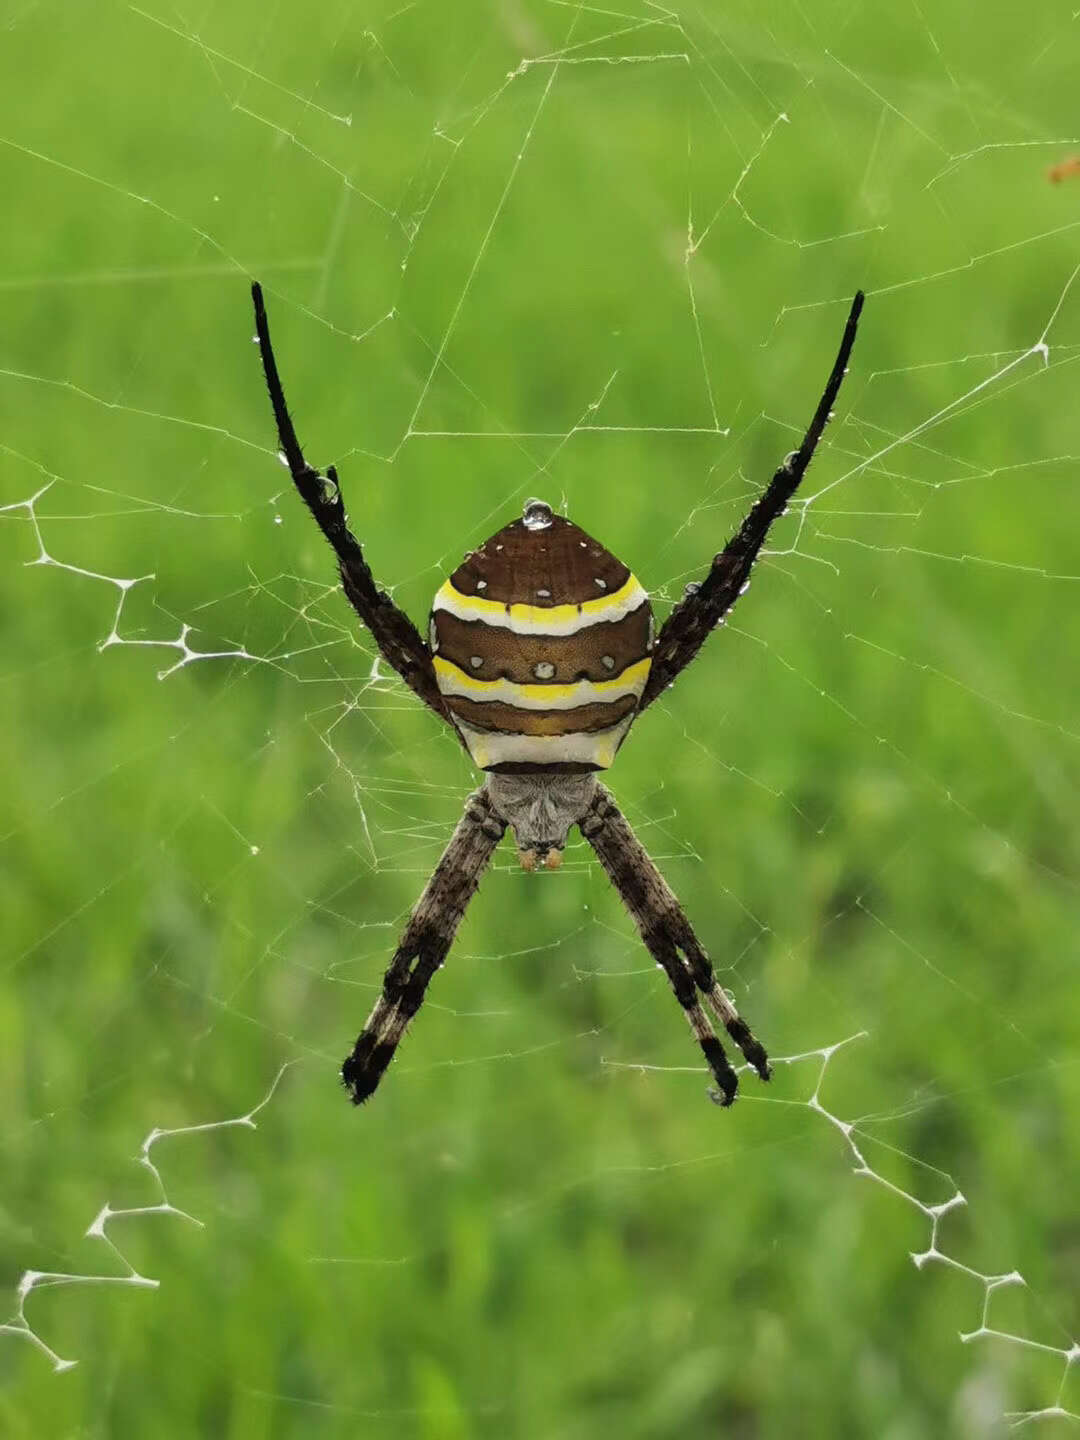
column 399, row 641
column 682, row 982
column 687, row 627
column 670, row 939
column 424, row 944
column 720, row 1003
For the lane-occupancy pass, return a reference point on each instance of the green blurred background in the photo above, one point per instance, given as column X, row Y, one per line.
column 865, row 792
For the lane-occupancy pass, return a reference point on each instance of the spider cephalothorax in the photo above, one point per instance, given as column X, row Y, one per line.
column 541, row 651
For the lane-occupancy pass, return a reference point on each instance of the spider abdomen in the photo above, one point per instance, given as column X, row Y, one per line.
column 541, row 645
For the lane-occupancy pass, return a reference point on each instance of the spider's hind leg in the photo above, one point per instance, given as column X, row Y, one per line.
column 404, row 987
column 721, row 1006
column 682, row 982
column 424, row 944
column 670, row 939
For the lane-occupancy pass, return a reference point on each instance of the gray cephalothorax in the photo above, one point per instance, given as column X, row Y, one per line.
column 541, row 653
column 540, row 810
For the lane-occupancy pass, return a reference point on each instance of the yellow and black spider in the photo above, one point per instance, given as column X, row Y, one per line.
column 541, row 654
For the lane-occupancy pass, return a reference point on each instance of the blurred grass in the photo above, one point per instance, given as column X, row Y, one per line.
column 865, row 792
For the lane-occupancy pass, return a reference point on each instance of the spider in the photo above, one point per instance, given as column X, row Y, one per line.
column 541, row 652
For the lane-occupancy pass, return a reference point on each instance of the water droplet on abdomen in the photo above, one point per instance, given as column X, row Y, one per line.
column 537, row 515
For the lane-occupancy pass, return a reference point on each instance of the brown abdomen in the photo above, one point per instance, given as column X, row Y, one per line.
column 541, row 642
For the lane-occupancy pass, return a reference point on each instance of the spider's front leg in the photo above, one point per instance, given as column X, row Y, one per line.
column 424, row 945
column 400, row 643
column 670, row 939
column 704, row 606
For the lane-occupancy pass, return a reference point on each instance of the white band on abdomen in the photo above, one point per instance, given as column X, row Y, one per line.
column 489, row 748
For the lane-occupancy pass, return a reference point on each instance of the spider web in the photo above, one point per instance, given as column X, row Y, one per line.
column 601, row 254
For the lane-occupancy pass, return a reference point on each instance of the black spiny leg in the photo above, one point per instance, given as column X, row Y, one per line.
column 398, row 639
column 686, row 628
column 717, row 1001
column 671, row 941
column 424, row 945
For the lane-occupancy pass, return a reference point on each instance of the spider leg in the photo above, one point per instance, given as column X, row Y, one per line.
column 718, row 1001
column 399, row 641
column 701, row 610
column 671, row 941
column 424, row 944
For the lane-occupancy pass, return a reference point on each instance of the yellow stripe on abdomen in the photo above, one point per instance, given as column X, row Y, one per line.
column 452, row 680
column 540, row 619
